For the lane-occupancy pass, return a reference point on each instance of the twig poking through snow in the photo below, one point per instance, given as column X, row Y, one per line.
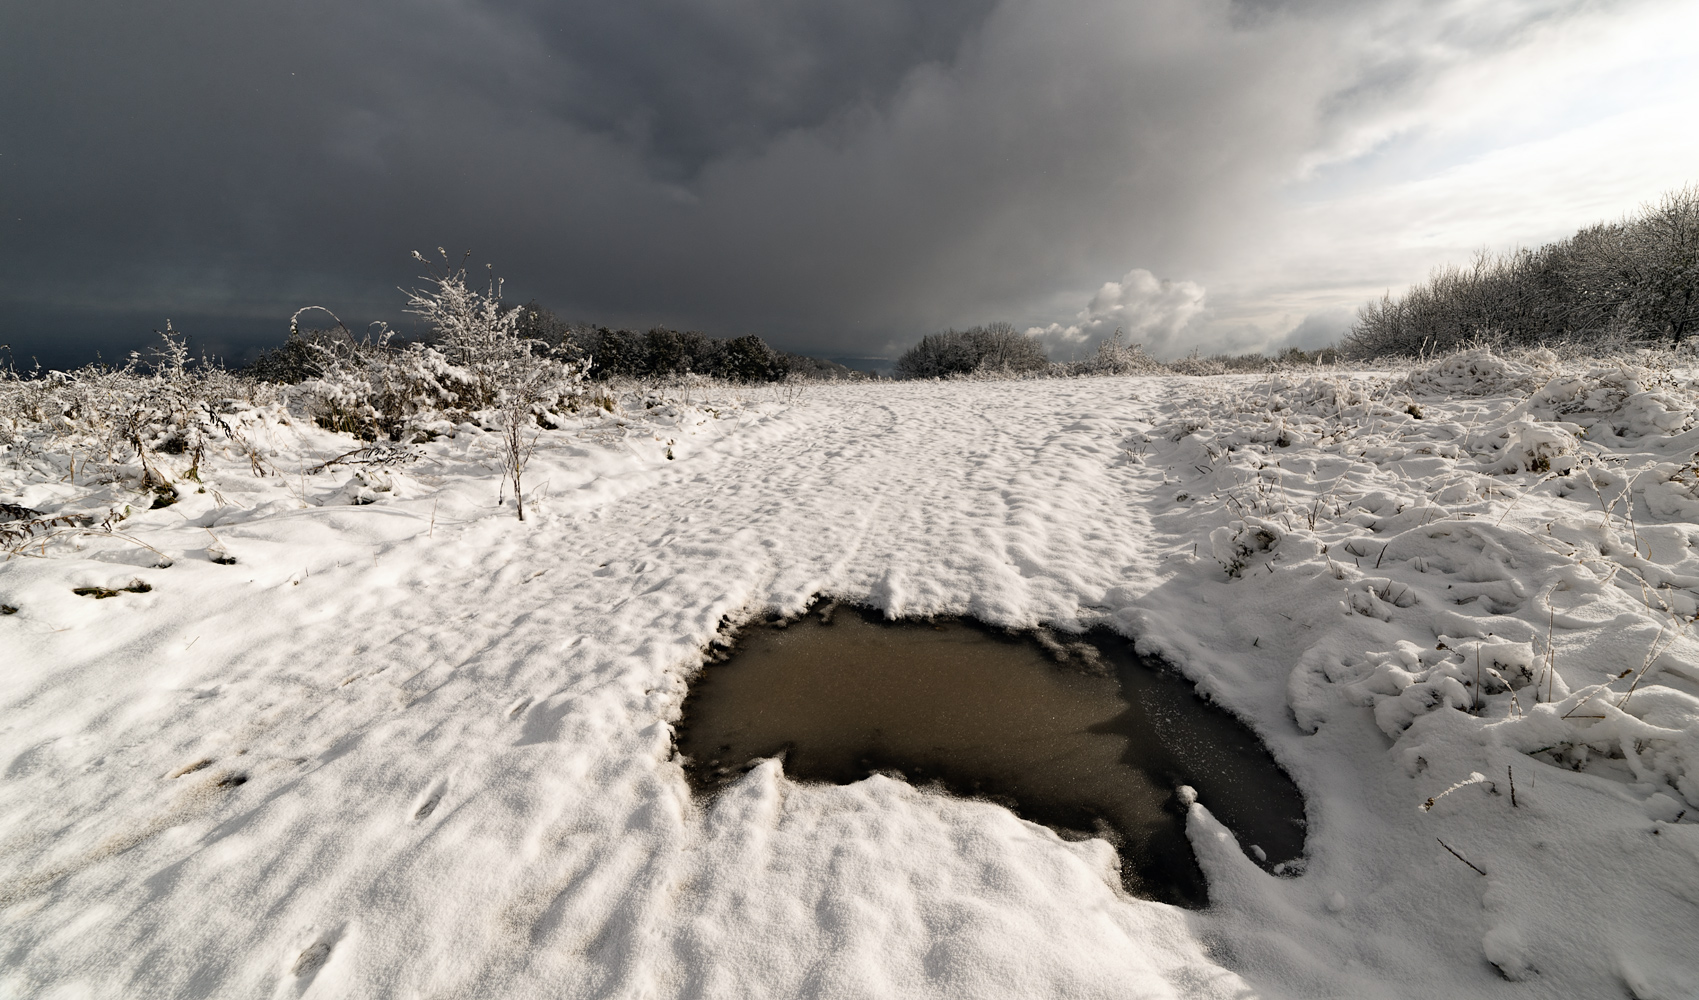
column 1461, row 858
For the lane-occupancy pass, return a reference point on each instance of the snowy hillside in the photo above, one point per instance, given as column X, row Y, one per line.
column 354, row 730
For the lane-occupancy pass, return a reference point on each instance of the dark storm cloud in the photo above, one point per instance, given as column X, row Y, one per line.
column 835, row 176
column 685, row 83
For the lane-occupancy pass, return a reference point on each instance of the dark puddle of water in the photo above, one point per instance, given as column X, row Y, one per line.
column 1084, row 736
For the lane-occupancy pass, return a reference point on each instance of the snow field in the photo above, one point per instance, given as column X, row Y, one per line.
column 408, row 746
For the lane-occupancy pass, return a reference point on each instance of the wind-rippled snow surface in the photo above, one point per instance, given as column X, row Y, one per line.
column 405, row 745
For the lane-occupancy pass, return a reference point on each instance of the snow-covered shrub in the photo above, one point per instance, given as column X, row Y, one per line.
column 475, row 363
column 167, row 404
column 1408, row 681
column 1628, row 400
column 1291, row 359
column 294, row 362
column 1534, row 446
column 1522, row 700
column 1481, row 371
column 1192, row 364
column 1115, row 358
column 1235, row 546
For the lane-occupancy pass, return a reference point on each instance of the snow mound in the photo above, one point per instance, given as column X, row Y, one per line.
column 1481, row 372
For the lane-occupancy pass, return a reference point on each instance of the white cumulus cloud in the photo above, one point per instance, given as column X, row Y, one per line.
column 1146, row 309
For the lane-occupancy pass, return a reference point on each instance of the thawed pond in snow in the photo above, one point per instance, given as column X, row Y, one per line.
column 1082, row 735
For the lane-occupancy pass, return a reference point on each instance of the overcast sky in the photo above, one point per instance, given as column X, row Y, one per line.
column 838, row 176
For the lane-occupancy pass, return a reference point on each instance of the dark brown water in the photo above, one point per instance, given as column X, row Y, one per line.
column 1084, row 736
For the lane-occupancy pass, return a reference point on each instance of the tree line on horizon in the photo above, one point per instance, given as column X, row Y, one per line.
column 611, row 353
column 1634, row 279
column 1637, row 278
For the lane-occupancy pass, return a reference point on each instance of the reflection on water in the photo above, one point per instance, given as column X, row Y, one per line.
column 1085, row 737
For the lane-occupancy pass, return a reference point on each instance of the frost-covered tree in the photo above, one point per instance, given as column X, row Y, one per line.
column 475, row 364
column 1665, row 276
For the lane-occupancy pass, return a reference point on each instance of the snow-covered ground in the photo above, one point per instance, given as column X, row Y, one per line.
column 414, row 747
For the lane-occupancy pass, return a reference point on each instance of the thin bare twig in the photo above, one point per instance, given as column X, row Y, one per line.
column 1461, row 858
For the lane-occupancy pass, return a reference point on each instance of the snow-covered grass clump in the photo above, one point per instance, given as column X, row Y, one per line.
column 1507, row 545
column 1439, row 495
column 342, row 725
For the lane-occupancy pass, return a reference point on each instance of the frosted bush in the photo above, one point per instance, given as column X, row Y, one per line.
column 155, row 418
column 476, row 365
column 1194, row 365
column 1115, row 358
